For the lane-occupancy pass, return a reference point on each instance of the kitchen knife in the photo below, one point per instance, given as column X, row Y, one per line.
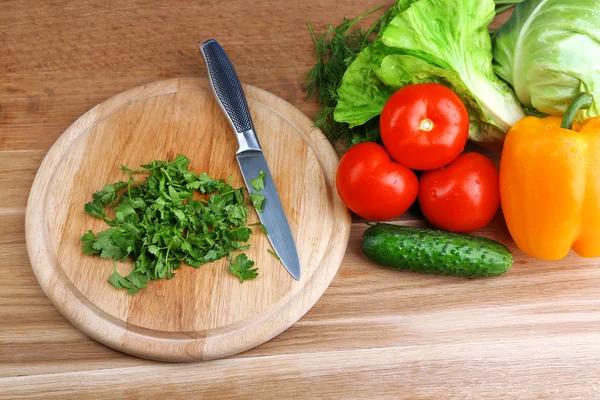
column 251, row 159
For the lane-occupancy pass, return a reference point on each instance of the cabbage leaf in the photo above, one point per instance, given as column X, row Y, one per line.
column 549, row 51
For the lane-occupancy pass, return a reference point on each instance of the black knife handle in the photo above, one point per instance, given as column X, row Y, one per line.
column 226, row 86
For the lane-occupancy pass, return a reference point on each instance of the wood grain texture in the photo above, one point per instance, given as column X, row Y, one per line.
column 375, row 333
column 198, row 315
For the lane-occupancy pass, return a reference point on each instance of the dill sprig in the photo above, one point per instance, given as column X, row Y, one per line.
column 336, row 48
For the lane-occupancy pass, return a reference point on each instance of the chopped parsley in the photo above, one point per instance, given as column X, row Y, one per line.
column 159, row 224
column 258, row 183
column 242, row 268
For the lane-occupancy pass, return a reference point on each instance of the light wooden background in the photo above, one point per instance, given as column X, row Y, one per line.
column 534, row 333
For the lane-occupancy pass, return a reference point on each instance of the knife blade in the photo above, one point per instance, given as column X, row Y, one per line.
column 251, row 159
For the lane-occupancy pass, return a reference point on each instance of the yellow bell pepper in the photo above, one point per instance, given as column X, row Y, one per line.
column 550, row 184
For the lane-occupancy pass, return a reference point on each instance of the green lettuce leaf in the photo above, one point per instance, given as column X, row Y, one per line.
column 442, row 41
column 361, row 94
column 549, row 51
column 454, row 35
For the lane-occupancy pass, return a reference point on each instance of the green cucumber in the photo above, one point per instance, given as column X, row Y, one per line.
column 435, row 252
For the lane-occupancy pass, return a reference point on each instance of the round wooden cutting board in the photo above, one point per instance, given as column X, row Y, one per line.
column 203, row 313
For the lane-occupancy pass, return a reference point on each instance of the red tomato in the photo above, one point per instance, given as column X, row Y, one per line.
column 372, row 185
column 424, row 126
column 462, row 197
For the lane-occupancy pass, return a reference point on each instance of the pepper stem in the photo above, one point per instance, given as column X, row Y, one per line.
column 581, row 101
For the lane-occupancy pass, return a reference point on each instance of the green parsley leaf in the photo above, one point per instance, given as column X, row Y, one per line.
column 124, row 240
column 103, row 239
column 241, row 234
column 109, row 193
column 258, row 183
column 242, row 268
column 236, row 214
column 117, row 280
column 111, row 250
column 262, row 227
column 138, row 281
column 173, row 194
column 124, row 211
column 180, row 215
column 259, row 201
column 88, row 242
column 130, row 228
column 95, row 208
column 180, row 163
column 137, row 202
column 194, row 262
column 155, row 250
column 271, row 252
column 239, row 196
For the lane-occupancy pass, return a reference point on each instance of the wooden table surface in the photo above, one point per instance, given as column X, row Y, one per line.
column 376, row 333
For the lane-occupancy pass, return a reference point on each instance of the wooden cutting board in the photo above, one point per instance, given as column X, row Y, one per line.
column 203, row 313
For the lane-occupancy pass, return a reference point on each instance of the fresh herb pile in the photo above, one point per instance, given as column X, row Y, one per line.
column 161, row 226
column 363, row 94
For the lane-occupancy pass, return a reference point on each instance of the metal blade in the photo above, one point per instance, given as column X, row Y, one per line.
column 272, row 217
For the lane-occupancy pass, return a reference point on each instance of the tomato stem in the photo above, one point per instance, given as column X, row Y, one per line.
column 426, row 125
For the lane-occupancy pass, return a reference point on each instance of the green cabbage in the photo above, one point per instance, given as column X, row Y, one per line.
column 549, row 51
column 444, row 41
